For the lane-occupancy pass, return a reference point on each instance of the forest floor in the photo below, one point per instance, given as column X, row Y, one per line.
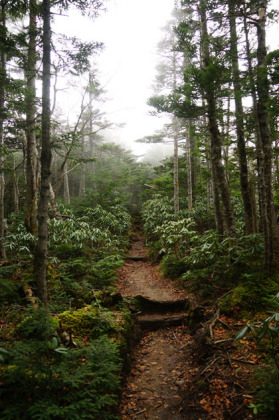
column 178, row 372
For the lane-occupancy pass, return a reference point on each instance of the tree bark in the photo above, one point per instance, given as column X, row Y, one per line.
column 2, row 118
column 32, row 169
column 42, row 243
column 216, row 141
column 82, row 171
column 194, row 159
column 209, row 188
column 269, row 219
column 219, row 218
column 175, row 165
column 67, row 197
column 189, row 170
column 243, row 168
column 175, row 141
column 259, row 152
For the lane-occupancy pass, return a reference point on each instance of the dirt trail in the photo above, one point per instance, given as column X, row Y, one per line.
column 140, row 277
column 160, row 371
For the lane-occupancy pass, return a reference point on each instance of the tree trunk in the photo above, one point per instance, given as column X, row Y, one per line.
column 175, row 166
column 175, row 141
column 194, row 159
column 189, row 170
column 190, row 146
column 259, row 151
column 269, row 222
column 67, row 197
column 42, row 244
column 219, row 218
column 243, row 168
column 2, row 118
column 14, row 193
column 32, row 170
column 209, row 187
column 216, row 141
column 82, row 172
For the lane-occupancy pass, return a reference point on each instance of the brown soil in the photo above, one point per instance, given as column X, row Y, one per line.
column 141, row 277
column 158, row 377
column 177, row 373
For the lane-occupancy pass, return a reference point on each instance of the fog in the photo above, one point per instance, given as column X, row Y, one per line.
column 130, row 31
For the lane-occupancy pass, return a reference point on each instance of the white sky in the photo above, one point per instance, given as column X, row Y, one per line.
column 130, row 30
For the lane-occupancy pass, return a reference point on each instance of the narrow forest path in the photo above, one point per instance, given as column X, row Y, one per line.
column 186, row 364
column 161, row 366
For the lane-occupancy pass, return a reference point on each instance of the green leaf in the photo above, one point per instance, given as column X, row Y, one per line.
column 242, row 333
column 54, row 342
column 273, row 329
column 61, row 350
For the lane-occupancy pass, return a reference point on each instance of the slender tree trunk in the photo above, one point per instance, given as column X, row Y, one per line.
column 42, row 244
column 2, row 118
column 209, row 188
column 189, row 170
column 14, row 188
column 259, row 151
column 91, row 135
column 82, row 172
column 269, row 222
column 243, row 168
column 175, row 165
column 190, row 146
column 175, row 141
column 67, row 197
column 32, row 170
column 194, row 159
column 219, row 218
column 251, row 189
column 225, row 129
column 216, row 141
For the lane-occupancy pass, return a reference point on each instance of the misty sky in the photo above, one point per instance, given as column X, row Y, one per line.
column 130, row 30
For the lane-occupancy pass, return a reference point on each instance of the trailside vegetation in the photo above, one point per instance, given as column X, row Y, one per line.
column 209, row 212
column 67, row 359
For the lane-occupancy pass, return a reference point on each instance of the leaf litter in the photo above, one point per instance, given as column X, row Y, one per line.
column 173, row 374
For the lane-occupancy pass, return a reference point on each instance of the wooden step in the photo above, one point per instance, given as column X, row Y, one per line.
column 137, row 257
column 150, row 306
column 156, row 321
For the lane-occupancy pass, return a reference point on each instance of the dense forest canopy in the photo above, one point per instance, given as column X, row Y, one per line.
column 67, row 195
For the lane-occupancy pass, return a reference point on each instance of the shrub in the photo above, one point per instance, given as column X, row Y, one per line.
column 266, row 335
column 42, row 380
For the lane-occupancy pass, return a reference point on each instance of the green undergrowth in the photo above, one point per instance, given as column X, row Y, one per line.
column 204, row 263
column 223, row 271
column 263, row 330
column 43, row 379
column 67, row 362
